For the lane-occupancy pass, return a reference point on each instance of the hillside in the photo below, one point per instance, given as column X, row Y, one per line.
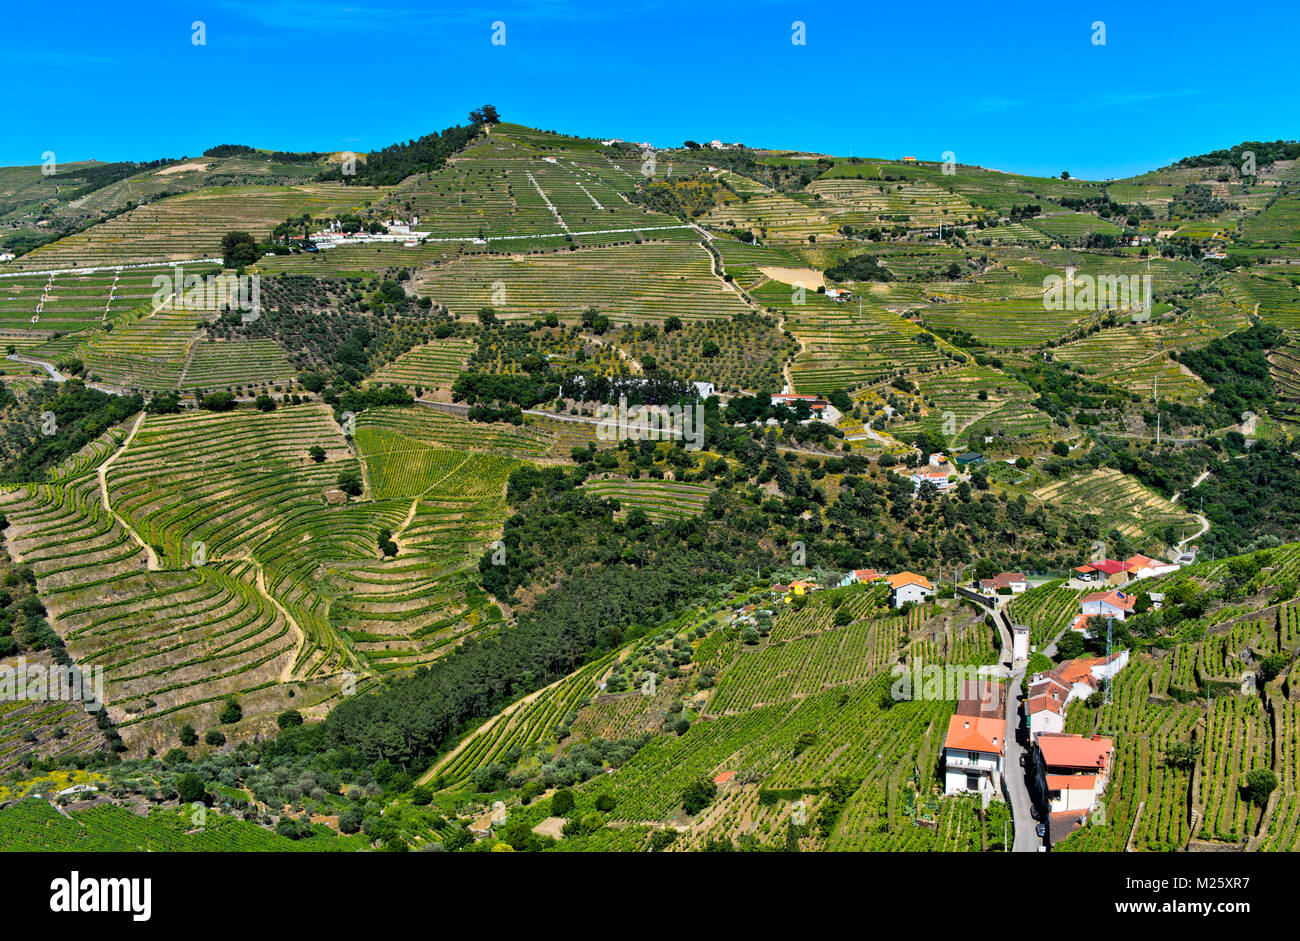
column 372, row 541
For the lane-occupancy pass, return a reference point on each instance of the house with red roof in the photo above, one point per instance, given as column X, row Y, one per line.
column 1109, row 571
column 973, row 751
column 1073, row 771
column 862, row 577
column 1108, row 604
column 1052, row 691
column 1014, row 581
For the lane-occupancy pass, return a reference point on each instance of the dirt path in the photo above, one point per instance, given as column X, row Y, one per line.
column 286, row 675
column 150, row 555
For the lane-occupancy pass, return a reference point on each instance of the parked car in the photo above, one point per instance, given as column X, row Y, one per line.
column 1041, row 830
column 1033, row 812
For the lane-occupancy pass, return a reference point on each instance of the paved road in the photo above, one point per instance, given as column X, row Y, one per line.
column 48, row 367
column 1018, row 791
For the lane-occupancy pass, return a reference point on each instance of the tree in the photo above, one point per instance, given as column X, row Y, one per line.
column 289, row 719
column 231, row 711
column 264, row 403
column 421, row 796
column 1065, row 174
column 1180, row 755
column 1070, row 645
column 709, row 349
column 1272, row 665
column 317, row 453
column 350, row 820
column 1260, row 783
column 214, row 738
column 562, row 802
column 697, row 795
column 218, row 402
column 238, row 249
column 188, row 736
column 350, row 483
column 189, row 787
column 485, row 115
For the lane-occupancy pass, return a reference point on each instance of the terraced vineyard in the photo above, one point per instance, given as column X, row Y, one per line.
column 434, row 365
column 1120, row 502
column 626, row 283
column 659, row 499
column 190, row 225
column 36, row 826
column 1047, row 609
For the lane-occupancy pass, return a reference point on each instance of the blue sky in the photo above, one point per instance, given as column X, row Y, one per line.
column 1021, row 87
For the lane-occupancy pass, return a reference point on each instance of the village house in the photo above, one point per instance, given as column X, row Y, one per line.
column 861, row 577
column 1110, row 571
column 1073, row 771
column 1014, row 582
column 972, row 755
column 703, row 389
column 1051, row 691
column 1139, row 566
column 908, row 586
column 969, row 459
column 815, row 404
column 940, row 479
column 1108, row 604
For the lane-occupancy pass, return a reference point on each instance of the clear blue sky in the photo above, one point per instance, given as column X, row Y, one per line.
column 1015, row 85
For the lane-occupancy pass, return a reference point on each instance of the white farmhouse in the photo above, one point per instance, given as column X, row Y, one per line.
column 972, row 755
column 908, row 586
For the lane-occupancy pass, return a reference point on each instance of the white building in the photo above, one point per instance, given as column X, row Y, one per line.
column 972, row 755
column 908, row 586
column 703, row 389
column 1019, row 642
column 1108, row 604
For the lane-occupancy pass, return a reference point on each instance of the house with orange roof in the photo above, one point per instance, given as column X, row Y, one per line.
column 973, row 751
column 908, row 587
column 1073, row 771
column 862, row 577
column 1108, row 604
column 724, row 778
column 940, row 479
column 1139, row 566
column 1052, row 691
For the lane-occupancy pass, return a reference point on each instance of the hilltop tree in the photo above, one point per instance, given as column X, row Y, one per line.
column 485, row 115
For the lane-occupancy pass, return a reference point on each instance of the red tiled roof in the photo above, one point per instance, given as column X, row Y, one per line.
column 973, row 733
column 1071, row 782
column 1003, row 580
column 1115, row 598
column 724, row 777
column 1074, row 751
column 1109, row 566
